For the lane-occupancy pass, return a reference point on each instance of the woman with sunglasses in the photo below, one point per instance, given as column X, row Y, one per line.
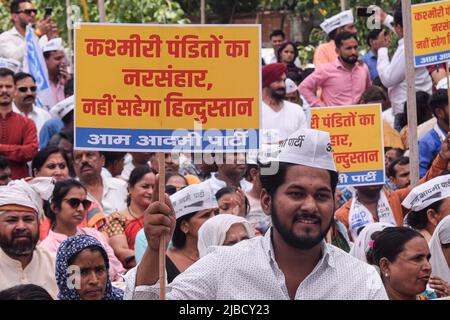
column 68, row 210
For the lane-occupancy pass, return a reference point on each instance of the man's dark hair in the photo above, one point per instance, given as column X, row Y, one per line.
column 68, row 88
column 439, row 99
column 423, row 112
column 391, row 172
column 342, row 36
column 272, row 182
column 25, row 292
column 374, row 93
column 22, row 75
column 276, row 33
column 6, row 73
column 389, row 243
column 111, row 156
column 14, row 7
column 4, row 163
column 398, row 16
column 399, row 151
column 373, row 35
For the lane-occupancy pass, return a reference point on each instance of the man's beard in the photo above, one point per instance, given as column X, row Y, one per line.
column 304, row 242
column 278, row 95
column 19, row 248
column 350, row 60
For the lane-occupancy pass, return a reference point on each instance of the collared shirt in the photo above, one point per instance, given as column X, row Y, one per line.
column 393, row 76
column 57, row 94
column 18, row 143
column 217, row 184
column 429, row 147
column 114, row 195
column 38, row 115
column 48, row 130
column 276, row 126
column 325, row 53
column 371, row 60
column 40, row 271
column 52, row 242
column 249, row 271
column 12, row 45
column 340, row 86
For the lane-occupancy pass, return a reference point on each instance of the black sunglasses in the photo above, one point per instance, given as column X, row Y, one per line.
column 25, row 89
column 27, row 11
column 75, row 203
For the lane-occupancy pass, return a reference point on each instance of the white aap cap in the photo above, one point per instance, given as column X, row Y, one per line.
column 193, row 198
column 308, row 147
column 290, row 85
column 341, row 19
column 428, row 193
column 53, row 45
column 62, row 108
column 10, row 64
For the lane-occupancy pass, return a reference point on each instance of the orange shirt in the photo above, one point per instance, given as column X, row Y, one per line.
column 325, row 53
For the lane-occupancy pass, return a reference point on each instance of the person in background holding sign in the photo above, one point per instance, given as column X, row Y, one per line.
column 342, row 81
column 342, row 22
column 18, row 136
column 57, row 69
column 392, row 72
column 280, row 118
column 430, row 144
column 428, row 203
column 24, row 100
column 12, row 42
column 375, row 204
column 291, row 261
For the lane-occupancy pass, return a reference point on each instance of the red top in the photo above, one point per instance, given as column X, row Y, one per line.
column 18, row 142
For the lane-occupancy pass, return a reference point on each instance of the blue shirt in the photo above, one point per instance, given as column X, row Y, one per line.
column 49, row 129
column 429, row 147
column 371, row 60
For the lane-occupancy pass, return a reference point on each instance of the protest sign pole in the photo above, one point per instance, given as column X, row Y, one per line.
column 162, row 243
column 447, row 66
column 202, row 12
column 70, row 24
column 411, row 93
column 101, row 10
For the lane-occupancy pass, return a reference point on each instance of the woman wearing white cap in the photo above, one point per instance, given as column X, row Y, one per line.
column 440, row 254
column 223, row 230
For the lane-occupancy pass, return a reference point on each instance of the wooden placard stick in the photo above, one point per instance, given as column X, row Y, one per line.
column 162, row 243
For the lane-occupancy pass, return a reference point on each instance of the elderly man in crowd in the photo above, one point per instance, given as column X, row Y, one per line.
column 109, row 193
column 291, row 261
column 18, row 136
column 21, row 261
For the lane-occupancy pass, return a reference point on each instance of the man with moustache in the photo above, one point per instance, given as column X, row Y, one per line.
column 18, row 136
column 24, row 99
column 109, row 193
column 342, row 81
column 291, row 261
column 21, row 261
column 280, row 118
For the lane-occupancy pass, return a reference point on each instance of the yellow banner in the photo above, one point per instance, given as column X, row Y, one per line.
column 137, row 84
column 357, row 140
column 431, row 32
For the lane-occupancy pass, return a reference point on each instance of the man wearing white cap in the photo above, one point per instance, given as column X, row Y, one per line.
column 343, row 21
column 292, row 260
column 21, row 261
column 24, row 100
column 12, row 42
column 57, row 68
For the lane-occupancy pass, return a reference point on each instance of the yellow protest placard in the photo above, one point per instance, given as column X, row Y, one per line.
column 431, row 32
column 357, row 140
column 157, row 87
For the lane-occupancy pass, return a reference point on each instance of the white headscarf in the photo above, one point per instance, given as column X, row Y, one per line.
column 361, row 246
column 214, row 231
column 441, row 235
column 29, row 193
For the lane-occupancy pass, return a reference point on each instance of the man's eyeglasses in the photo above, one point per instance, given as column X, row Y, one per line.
column 25, row 89
column 28, row 11
column 75, row 203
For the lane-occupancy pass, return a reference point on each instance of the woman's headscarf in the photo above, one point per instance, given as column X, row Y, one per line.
column 214, row 231
column 68, row 250
column 362, row 243
column 441, row 235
